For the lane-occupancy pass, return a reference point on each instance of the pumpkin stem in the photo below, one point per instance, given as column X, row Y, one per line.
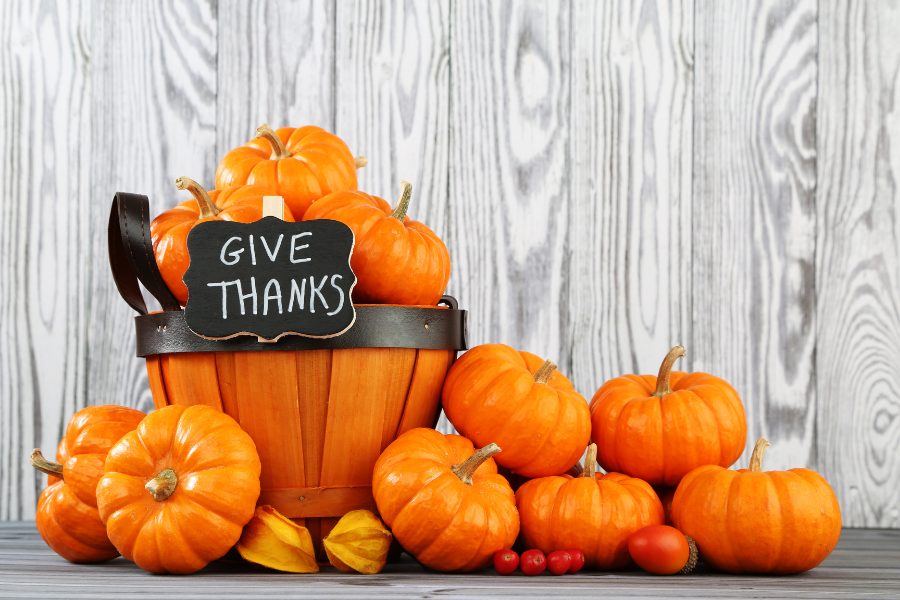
column 590, row 462
column 665, row 371
column 45, row 466
column 757, row 456
column 543, row 374
column 279, row 152
column 403, row 203
column 360, row 161
column 208, row 208
column 468, row 468
column 163, row 485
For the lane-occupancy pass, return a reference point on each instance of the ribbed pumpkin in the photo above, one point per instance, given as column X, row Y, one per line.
column 242, row 204
column 299, row 164
column 659, row 428
column 178, row 490
column 445, row 502
column 396, row 260
column 67, row 516
column 594, row 513
column 750, row 521
column 496, row 393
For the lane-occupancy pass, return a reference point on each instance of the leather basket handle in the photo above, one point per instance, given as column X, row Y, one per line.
column 131, row 255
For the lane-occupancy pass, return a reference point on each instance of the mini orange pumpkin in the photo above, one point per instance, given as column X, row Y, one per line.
column 169, row 231
column 444, row 502
column 301, row 165
column 750, row 521
column 594, row 513
column 396, row 260
column 659, row 428
column 179, row 489
column 495, row 393
column 67, row 516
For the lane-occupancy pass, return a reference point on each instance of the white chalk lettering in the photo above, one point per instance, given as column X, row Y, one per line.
column 341, row 292
column 271, row 254
column 235, row 254
column 252, row 294
column 224, row 285
column 316, row 291
column 299, row 293
column 267, row 297
column 252, row 251
column 295, row 247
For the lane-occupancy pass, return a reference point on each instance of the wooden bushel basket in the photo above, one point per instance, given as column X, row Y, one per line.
column 321, row 411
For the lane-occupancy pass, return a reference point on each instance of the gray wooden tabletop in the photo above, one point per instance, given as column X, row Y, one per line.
column 866, row 564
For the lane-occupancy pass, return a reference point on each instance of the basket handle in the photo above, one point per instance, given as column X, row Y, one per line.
column 131, row 255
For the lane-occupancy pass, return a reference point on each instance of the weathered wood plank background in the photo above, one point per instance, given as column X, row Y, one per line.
column 612, row 178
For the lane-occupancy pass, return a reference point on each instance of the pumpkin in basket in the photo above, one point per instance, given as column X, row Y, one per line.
column 67, row 516
column 595, row 513
column 299, row 164
column 396, row 260
column 185, row 476
column 659, row 428
column 495, row 393
column 750, row 521
column 445, row 502
column 242, row 204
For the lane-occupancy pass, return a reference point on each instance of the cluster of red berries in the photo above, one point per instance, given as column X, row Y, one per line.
column 534, row 562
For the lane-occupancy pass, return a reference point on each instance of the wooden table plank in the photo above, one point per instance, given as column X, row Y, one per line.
column 865, row 564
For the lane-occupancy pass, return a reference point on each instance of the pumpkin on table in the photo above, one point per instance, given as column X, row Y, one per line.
column 595, row 513
column 67, row 516
column 185, row 476
column 751, row 521
column 496, row 393
column 445, row 502
column 299, row 164
column 396, row 260
column 240, row 203
column 659, row 428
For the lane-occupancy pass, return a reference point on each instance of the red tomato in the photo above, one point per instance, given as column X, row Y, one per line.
column 660, row 549
column 533, row 562
column 506, row 561
column 577, row 561
column 559, row 562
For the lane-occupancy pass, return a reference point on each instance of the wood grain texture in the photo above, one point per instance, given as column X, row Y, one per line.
column 754, row 218
column 275, row 66
column 45, row 230
column 858, row 259
column 629, row 243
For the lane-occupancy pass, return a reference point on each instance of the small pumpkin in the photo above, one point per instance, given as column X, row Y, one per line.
column 67, row 516
column 169, row 231
column 299, row 164
column 495, row 393
column 445, row 502
column 750, row 521
column 178, row 489
column 595, row 513
column 396, row 260
column 659, row 428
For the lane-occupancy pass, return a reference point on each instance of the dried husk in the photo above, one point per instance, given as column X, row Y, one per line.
column 272, row 540
column 359, row 542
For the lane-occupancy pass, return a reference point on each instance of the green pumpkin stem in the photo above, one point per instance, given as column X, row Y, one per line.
column 45, row 466
column 590, row 462
column 279, row 152
column 208, row 208
column 466, row 470
column 403, row 203
column 757, row 456
column 163, row 485
column 665, row 372
column 545, row 372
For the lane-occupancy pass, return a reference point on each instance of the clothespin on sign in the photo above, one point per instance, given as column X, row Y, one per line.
column 273, row 206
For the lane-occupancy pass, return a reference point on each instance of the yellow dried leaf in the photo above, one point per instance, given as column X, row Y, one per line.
column 359, row 542
column 272, row 540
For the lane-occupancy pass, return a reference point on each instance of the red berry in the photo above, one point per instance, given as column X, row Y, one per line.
column 533, row 562
column 559, row 562
column 577, row 561
column 505, row 561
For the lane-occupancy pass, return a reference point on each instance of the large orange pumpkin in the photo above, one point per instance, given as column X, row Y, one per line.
column 445, row 502
column 594, row 513
column 750, row 521
column 496, row 393
column 396, row 260
column 67, row 516
column 179, row 489
column 659, row 428
column 299, row 164
column 240, row 203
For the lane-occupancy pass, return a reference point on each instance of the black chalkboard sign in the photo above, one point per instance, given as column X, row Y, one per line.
column 269, row 278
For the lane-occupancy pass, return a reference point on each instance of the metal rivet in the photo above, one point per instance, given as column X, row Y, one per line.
column 159, row 327
column 303, row 497
column 426, row 325
column 165, row 327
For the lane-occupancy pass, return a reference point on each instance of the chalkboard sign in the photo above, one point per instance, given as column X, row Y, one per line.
column 269, row 278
